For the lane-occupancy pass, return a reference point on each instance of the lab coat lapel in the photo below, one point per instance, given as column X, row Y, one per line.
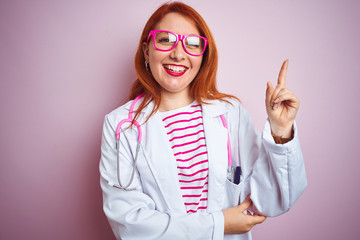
column 162, row 163
column 216, row 143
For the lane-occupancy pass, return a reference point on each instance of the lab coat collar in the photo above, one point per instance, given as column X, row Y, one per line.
column 145, row 112
column 212, row 108
column 215, row 108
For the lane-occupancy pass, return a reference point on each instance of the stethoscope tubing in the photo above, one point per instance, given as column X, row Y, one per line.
column 120, row 186
column 117, row 137
column 136, row 123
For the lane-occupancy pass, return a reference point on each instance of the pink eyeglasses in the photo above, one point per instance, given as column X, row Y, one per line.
column 165, row 41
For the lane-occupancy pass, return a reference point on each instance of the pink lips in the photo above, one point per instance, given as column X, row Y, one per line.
column 175, row 74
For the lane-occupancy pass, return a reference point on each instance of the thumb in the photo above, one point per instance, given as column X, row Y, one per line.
column 269, row 92
column 245, row 204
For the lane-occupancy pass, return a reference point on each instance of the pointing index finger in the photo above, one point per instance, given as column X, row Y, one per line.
column 282, row 74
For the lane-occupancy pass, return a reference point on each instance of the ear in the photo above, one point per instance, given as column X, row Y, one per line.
column 145, row 47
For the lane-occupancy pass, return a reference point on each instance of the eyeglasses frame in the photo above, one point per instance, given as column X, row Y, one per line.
column 179, row 37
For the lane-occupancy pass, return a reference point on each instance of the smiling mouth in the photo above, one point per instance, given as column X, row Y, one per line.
column 175, row 68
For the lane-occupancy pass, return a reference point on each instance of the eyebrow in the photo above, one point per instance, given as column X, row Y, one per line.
column 196, row 34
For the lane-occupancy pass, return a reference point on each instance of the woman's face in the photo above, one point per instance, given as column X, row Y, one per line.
column 174, row 70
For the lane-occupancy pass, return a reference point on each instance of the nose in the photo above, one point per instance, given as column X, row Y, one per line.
column 178, row 53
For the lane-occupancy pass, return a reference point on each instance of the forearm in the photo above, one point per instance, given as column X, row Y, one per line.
column 278, row 177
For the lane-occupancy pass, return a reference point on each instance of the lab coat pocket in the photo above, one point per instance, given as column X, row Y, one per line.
column 232, row 194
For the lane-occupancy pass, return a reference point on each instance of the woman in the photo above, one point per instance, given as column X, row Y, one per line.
column 182, row 172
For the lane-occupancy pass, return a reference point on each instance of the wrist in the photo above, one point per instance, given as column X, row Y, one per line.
column 282, row 132
column 280, row 140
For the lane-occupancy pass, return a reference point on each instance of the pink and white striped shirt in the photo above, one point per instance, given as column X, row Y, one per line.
column 184, row 127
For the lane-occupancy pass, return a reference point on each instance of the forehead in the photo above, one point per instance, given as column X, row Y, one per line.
column 177, row 23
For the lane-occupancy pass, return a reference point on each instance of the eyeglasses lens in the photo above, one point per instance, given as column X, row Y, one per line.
column 193, row 44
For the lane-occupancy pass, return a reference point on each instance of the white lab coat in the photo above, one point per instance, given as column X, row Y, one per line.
column 274, row 174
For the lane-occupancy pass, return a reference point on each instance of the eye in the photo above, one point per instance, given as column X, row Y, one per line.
column 165, row 38
column 193, row 42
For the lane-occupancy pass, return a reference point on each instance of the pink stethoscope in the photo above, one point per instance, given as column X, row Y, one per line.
column 230, row 169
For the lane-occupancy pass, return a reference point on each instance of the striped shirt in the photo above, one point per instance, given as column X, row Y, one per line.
column 184, row 127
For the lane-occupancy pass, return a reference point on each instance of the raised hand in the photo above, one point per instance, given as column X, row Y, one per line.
column 237, row 222
column 281, row 105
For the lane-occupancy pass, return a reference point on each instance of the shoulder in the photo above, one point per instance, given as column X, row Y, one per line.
column 120, row 112
column 113, row 118
column 238, row 111
column 234, row 112
column 228, row 106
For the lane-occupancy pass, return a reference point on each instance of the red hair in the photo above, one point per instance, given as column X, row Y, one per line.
column 202, row 88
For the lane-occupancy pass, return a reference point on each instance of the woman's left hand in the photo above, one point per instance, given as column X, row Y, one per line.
column 281, row 105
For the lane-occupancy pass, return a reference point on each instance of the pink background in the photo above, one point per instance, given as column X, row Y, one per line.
column 65, row 64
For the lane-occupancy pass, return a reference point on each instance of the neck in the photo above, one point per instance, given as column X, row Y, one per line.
column 171, row 101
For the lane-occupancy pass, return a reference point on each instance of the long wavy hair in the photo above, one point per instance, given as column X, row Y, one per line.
column 202, row 88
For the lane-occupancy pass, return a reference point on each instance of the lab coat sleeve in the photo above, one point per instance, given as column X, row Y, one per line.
column 274, row 173
column 133, row 214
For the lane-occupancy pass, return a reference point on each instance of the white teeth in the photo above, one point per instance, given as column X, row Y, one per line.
column 173, row 68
